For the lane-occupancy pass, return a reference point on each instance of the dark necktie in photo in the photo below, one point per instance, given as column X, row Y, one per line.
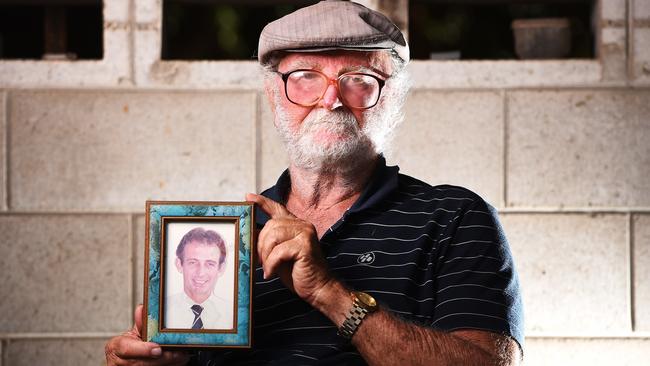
column 198, row 323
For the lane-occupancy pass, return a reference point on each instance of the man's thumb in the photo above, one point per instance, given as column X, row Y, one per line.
column 137, row 319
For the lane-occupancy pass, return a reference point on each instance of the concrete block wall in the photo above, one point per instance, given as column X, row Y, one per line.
column 559, row 147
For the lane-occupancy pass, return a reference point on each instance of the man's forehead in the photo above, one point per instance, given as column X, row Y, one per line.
column 344, row 61
column 201, row 246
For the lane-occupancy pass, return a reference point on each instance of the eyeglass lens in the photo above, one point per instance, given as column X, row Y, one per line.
column 307, row 87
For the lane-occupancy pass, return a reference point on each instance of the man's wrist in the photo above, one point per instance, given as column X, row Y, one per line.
column 363, row 304
column 333, row 300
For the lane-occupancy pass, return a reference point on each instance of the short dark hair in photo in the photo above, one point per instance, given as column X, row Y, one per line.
column 205, row 237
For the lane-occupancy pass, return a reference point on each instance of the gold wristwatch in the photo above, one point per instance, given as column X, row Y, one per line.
column 362, row 304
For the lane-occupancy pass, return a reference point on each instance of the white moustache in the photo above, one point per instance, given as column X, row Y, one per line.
column 337, row 120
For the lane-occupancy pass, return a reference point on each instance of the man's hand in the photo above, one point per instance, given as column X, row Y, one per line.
column 129, row 349
column 288, row 247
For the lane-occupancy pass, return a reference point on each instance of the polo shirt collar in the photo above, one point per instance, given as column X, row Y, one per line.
column 382, row 182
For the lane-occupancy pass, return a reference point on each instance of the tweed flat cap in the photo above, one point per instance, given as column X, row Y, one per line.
column 332, row 25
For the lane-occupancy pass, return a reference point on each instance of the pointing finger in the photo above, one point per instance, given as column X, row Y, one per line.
column 272, row 208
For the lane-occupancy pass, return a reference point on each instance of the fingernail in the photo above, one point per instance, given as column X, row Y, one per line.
column 156, row 351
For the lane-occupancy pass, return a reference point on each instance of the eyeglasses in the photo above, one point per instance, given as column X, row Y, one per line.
column 306, row 88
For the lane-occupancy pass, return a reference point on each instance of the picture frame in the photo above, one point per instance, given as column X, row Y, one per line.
column 198, row 274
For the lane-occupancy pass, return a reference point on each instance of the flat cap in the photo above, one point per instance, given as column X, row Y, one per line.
column 332, row 25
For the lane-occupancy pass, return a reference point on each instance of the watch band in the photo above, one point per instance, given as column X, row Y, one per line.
column 358, row 311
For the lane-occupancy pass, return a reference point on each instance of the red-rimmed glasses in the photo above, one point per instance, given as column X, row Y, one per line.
column 356, row 90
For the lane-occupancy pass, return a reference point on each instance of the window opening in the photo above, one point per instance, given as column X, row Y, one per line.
column 483, row 29
column 54, row 29
column 218, row 30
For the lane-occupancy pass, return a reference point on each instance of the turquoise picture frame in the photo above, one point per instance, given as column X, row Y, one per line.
column 165, row 217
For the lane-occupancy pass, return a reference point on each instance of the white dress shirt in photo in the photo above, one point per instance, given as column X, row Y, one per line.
column 217, row 313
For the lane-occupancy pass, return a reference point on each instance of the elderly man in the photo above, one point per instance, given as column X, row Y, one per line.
column 358, row 263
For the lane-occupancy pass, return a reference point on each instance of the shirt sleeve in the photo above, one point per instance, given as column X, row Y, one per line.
column 477, row 286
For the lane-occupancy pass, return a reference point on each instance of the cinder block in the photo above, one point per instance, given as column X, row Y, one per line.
column 505, row 73
column 579, row 148
column 641, row 255
column 613, row 53
column 641, row 55
column 117, row 10
column 64, row 273
column 612, row 48
column 641, row 9
column 3, row 148
column 587, row 352
column 117, row 58
column 147, row 61
column 273, row 159
column 151, row 71
column 219, row 75
column 112, row 71
column 573, row 270
column 104, row 151
column 614, row 36
column 148, row 11
column 640, row 41
column 612, row 10
column 139, row 236
column 454, row 138
column 54, row 352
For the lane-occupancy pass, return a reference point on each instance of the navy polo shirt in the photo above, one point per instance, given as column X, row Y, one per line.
column 433, row 255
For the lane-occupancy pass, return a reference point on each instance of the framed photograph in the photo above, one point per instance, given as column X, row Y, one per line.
column 198, row 281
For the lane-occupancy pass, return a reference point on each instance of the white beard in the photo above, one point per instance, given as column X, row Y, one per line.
column 343, row 153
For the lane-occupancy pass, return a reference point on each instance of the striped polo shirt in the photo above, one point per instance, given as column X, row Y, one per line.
column 433, row 255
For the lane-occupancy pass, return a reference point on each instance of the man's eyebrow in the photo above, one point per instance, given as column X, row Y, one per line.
column 302, row 64
column 363, row 69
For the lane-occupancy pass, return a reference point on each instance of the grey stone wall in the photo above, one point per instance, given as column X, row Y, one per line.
column 559, row 147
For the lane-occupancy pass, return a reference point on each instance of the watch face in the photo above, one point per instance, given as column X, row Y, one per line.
column 366, row 299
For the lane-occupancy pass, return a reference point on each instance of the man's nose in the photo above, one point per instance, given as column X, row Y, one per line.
column 331, row 99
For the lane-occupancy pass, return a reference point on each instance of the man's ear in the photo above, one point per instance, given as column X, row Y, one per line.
column 179, row 265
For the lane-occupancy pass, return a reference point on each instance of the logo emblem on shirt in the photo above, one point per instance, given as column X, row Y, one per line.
column 366, row 258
